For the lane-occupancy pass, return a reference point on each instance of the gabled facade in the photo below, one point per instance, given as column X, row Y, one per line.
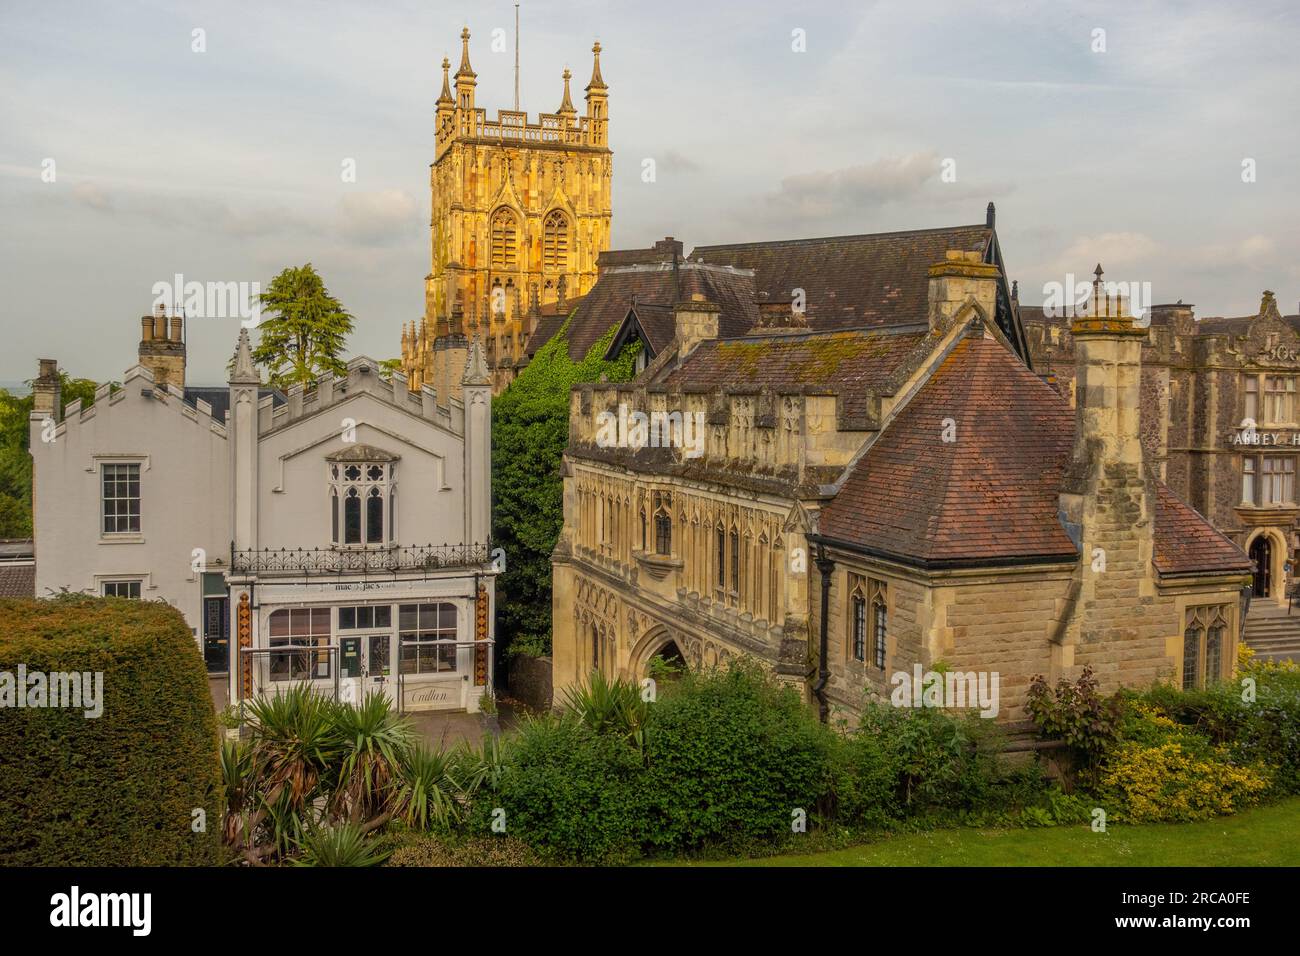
column 336, row 535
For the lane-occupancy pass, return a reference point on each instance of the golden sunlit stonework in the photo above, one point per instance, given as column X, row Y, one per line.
column 521, row 210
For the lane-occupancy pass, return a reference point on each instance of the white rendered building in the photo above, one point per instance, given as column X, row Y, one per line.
column 336, row 535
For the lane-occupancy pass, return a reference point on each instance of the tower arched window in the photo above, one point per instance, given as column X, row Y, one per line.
column 505, row 239
column 362, row 497
column 555, row 242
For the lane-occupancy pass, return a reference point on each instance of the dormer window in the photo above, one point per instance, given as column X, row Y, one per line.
column 362, row 497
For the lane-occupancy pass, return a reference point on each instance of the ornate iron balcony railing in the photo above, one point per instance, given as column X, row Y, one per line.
column 428, row 557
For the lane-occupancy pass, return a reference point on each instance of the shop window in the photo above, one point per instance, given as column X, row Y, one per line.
column 428, row 634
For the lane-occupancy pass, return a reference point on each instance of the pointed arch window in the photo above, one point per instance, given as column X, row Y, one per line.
column 505, row 239
column 555, row 242
column 1205, row 633
column 663, row 504
column 362, row 497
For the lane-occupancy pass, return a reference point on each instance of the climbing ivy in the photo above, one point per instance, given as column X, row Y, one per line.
column 530, row 430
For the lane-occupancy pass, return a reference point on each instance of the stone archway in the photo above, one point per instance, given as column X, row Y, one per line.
column 1267, row 547
column 658, row 641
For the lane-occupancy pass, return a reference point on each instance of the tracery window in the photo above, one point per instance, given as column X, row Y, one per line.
column 1204, row 635
column 555, row 242
column 362, row 497
column 505, row 239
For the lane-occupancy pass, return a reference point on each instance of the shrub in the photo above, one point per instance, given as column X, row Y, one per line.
column 1162, row 771
column 938, row 761
column 1076, row 714
column 120, row 789
column 731, row 757
column 567, row 791
column 443, row 851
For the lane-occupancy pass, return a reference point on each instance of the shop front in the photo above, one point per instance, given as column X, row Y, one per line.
column 414, row 641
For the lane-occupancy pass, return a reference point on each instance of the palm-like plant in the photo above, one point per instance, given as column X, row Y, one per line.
column 481, row 766
column 429, row 791
column 374, row 741
column 607, row 706
column 342, row 845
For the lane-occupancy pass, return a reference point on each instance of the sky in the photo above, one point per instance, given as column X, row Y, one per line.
column 1156, row 138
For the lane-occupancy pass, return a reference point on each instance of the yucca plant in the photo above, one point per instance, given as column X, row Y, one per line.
column 430, row 794
column 374, row 740
column 481, row 766
column 342, row 845
column 607, row 706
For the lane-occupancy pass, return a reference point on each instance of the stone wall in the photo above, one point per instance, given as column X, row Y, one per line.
column 529, row 680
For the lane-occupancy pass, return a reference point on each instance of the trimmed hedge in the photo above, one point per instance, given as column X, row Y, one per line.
column 120, row 789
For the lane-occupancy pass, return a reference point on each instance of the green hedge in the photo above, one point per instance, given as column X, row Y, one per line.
column 120, row 789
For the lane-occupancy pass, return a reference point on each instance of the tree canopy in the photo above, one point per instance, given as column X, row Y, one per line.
column 303, row 337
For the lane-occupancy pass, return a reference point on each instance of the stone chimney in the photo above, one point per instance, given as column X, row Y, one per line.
column 1107, row 502
column 47, row 391
column 777, row 315
column 697, row 320
column 962, row 278
column 162, row 349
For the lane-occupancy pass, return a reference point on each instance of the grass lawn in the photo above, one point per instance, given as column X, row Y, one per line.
column 1264, row 836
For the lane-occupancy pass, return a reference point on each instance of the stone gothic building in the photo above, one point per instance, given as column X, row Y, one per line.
column 520, row 213
column 1220, row 422
column 879, row 481
column 335, row 534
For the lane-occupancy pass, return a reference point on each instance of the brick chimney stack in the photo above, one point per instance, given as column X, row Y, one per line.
column 47, row 389
column 162, row 348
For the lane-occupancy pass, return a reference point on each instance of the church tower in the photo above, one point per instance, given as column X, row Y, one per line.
column 521, row 210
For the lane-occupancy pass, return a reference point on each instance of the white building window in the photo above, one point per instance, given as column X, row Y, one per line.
column 122, row 589
column 362, row 496
column 428, row 638
column 303, row 633
column 120, row 498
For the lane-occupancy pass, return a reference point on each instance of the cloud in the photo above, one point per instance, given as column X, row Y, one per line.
column 821, row 195
column 1121, row 252
column 675, row 162
column 378, row 217
column 92, row 195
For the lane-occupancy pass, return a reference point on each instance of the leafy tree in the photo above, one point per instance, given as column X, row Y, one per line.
column 530, row 430
column 15, row 459
column 304, row 336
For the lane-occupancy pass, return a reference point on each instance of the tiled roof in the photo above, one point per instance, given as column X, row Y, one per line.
column 608, row 301
column 851, row 281
column 992, row 493
column 851, row 364
column 218, row 396
column 18, row 580
column 1186, row 543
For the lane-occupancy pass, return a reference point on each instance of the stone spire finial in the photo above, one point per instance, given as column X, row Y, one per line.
column 476, row 367
column 567, row 105
column 244, row 372
column 990, row 216
column 445, row 97
column 597, row 81
column 465, row 69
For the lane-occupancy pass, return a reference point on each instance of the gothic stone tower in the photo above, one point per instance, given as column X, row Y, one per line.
column 521, row 210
